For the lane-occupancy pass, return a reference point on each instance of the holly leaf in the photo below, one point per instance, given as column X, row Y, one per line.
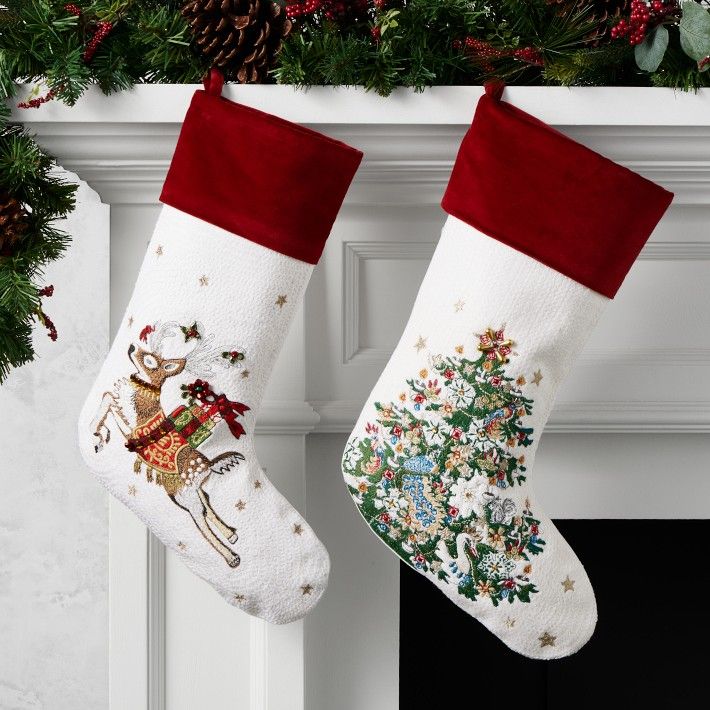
column 649, row 54
column 695, row 31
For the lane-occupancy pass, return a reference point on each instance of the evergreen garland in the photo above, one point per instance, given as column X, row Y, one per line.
column 378, row 44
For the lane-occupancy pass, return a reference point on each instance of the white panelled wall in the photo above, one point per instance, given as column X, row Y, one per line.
column 628, row 437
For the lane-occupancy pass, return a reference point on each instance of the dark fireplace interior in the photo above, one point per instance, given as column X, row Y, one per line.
column 651, row 647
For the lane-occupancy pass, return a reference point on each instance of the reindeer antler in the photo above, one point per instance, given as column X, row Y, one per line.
column 200, row 359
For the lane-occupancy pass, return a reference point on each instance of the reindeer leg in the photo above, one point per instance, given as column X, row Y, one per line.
column 198, row 513
column 229, row 533
column 99, row 426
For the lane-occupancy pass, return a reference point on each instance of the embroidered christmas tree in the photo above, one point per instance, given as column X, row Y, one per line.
column 431, row 474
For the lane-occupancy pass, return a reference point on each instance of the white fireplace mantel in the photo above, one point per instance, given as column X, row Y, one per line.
column 646, row 369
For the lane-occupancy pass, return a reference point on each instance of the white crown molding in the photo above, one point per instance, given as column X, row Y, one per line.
column 338, row 417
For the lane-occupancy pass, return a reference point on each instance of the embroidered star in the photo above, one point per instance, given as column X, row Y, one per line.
column 159, row 250
column 182, row 546
column 537, row 377
column 510, row 622
column 459, row 349
column 281, row 301
column 297, row 528
column 130, row 321
column 420, row 344
column 239, row 598
column 240, row 504
column 547, row 639
column 306, row 589
column 245, row 374
column 458, row 306
column 257, row 484
column 568, row 584
column 132, row 490
column 204, row 281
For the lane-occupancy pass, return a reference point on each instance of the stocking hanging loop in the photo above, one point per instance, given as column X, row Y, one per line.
column 213, row 82
column 494, row 88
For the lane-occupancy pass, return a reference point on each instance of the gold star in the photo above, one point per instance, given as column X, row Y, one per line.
column 240, row 504
column 204, row 281
column 420, row 344
column 159, row 250
column 510, row 622
column 537, row 377
column 459, row 349
column 245, row 374
column 297, row 528
column 182, row 546
column 281, row 301
column 547, row 639
column 130, row 321
column 306, row 589
column 257, row 484
column 458, row 306
column 568, row 584
column 132, row 490
column 239, row 598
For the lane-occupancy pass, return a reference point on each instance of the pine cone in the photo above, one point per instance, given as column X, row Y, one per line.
column 240, row 37
column 13, row 222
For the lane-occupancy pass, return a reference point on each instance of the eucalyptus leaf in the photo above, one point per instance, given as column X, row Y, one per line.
column 649, row 54
column 695, row 31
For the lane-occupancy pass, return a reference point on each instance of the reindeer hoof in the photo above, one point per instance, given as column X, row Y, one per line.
column 233, row 538
column 234, row 561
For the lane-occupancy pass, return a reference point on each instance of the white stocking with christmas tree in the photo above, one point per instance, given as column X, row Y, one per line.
column 541, row 233
column 168, row 425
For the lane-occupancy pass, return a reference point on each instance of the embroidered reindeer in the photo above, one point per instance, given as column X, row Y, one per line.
column 165, row 445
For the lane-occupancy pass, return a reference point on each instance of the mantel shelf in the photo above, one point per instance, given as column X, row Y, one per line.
column 443, row 105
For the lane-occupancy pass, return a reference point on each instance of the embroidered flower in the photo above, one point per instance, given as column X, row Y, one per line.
column 468, row 496
column 458, row 455
column 386, row 412
column 462, row 393
column 484, row 588
column 496, row 537
column 372, row 466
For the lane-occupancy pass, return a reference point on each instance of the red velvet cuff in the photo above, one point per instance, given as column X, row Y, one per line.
column 273, row 182
column 527, row 185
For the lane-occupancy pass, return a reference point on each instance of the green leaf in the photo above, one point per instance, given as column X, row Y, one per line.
column 649, row 54
column 695, row 31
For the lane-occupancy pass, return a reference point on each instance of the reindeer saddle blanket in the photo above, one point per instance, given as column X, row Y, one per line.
column 160, row 440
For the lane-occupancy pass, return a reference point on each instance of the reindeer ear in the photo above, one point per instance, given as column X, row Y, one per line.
column 173, row 367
